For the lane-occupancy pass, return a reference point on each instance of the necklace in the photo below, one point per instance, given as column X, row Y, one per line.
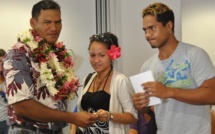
column 106, row 76
column 55, row 65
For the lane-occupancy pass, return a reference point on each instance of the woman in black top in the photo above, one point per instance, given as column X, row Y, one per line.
column 108, row 92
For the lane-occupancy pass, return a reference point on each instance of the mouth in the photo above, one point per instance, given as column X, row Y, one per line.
column 54, row 34
column 150, row 40
column 96, row 66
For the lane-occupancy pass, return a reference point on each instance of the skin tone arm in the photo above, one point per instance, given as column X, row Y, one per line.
column 203, row 95
column 121, row 118
column 72, row 129
column 39, row 112
column 132, row 131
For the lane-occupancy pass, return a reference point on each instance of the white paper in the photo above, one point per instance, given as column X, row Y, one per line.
column 137, row 80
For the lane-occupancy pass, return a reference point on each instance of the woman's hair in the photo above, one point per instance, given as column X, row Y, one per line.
column 44, row 5
column 161, row 11
column 2, row 54
column 107, row 39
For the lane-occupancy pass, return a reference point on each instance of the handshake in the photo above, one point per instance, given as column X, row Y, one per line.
column 84, row 119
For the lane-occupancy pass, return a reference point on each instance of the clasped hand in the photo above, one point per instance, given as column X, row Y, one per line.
column 141, row 100
column 103, row 115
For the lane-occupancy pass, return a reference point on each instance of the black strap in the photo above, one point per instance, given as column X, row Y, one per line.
column 88, row 78
column 152, row 126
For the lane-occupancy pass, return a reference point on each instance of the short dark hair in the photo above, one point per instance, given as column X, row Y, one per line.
column 107, row 39
column 2, row 52
column 161, row 11
column 44, row 5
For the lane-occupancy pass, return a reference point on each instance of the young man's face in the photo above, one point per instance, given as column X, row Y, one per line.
column 48, row 25
column 155, row 33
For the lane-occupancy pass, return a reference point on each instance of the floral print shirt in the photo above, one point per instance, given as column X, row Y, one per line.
column 21, row 79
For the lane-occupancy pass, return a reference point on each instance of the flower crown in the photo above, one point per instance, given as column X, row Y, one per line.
column 55, row 65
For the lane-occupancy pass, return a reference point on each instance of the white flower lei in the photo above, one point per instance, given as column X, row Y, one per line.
column 46, row 77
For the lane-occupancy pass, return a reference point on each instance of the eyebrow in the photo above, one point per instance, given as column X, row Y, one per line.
column 148, row 27
column 47, row 20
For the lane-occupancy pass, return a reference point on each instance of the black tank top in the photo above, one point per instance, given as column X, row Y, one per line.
column 93, row 101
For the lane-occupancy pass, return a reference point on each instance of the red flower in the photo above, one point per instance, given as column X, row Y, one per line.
column 114, row 52
column 59, row 45
column 68, row 62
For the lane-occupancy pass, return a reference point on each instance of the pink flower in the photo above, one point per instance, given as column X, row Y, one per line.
column 114, row 52
column 74, row 85
column 66, row 85
column 51, row 55
column 68, row 62
column 38, row 38
column 59, row 45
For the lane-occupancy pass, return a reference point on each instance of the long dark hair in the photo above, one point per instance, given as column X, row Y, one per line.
column 107, row 39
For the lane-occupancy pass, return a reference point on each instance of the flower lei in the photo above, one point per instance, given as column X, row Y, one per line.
column 55, row 65
column 114, row 52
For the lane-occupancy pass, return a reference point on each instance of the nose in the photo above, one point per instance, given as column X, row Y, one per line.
column 97, row 59
column 53, row 26
column 148, row 34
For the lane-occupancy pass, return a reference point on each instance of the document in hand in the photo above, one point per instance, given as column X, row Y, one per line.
column 137, row 80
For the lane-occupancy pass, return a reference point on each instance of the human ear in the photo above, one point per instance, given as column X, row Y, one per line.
column 32, row 22
column 170, row 26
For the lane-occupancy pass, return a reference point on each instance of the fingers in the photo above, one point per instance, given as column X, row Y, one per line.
column 103, row 115
column 149, row 91
column 84, row 119
column 141, row 100
column 149, row 88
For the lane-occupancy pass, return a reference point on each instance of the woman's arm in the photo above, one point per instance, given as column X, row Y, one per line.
column 121, row 118
column 133, row 131
column 73, row 129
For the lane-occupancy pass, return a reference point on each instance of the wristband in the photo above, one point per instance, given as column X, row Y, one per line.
column 110, row 115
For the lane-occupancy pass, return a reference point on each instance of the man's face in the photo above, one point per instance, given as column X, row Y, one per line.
column 1, row 60
column 155, row 33
column 48, row 25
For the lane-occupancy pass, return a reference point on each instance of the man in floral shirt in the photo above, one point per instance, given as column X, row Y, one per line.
column 39, row 77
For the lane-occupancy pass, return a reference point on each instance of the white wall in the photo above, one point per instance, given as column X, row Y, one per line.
column 198, row 19
column 126, row 22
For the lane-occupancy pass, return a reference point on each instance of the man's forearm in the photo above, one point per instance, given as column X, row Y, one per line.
column 34, row 110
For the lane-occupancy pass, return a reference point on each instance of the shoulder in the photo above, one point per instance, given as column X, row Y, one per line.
column 189, row 48
column 118, row 76
column 119, row 79
column 151, row 61
column 17, row 49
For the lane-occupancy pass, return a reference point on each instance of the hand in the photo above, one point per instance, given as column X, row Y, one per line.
column 140, row 100
column 84, row 119
column 103, row 115
column 157, row 89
